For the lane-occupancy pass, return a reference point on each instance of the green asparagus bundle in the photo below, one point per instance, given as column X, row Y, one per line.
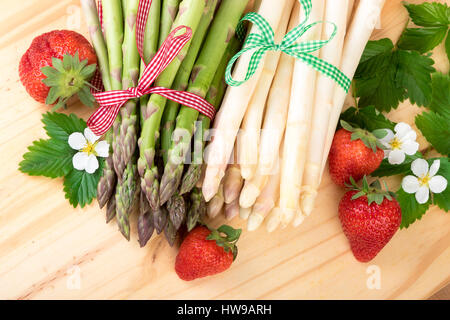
column 182, row 78
column 214, row 96
column 219, row 36
column 145, row 221
column 189, row 15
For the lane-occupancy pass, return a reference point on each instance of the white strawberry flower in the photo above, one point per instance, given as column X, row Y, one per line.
column 89, row 149
column 401, row 143
column 424, row 181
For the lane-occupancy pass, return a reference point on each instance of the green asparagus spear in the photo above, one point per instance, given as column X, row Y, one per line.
column 160, row 218
column 170, row 233
column 151, row 36
column 197, row 210
column 177, row 210
column 128, row 184
column 189, row 15
column 182, row 79
column 145, row 221
column 113, row 25
column 126, row 194
column 111, row 209
column 214, row 96
column 107, row 183
column 95, row 30
column 169, row 11
column 219, row 36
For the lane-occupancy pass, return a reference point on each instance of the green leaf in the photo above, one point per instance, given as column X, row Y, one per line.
column 50, row 158
column 367, row 118
column 375, row 78
column 59, row 126
column 414, row 74
column 442, row 200
column 386, row 169
column 429, row 14
column 81, row 187
column 411, row 209
column 422, row 39
column 436, row 130
column 440, row 100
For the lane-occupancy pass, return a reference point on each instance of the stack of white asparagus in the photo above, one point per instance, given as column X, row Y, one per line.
column 273, row 133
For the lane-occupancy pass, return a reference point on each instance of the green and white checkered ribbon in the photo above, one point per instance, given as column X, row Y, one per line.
column 261, row 43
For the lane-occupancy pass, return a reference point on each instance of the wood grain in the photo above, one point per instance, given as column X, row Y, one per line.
column 45, row 243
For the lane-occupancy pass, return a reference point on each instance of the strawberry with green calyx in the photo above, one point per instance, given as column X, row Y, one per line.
column 369, row 217
column 355, row 152
column 58, row 65
column 205, row 252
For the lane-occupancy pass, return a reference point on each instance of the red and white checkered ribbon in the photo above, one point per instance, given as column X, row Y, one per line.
column 111, row 101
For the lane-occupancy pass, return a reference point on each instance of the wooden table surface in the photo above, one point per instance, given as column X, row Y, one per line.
column 49, row 250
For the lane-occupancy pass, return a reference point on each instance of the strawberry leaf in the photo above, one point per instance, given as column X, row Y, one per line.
column 81, row 187
column 411, row 209
column 49, row 158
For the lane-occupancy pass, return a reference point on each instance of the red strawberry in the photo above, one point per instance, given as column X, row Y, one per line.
column 58, row 65
column 369, row 218
column 354, row 153
column 206, row 252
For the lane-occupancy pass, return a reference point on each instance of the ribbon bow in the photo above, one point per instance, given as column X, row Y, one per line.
column 111, row 101
column 261, row 43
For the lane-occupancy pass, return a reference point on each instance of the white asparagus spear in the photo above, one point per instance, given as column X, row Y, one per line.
column 366, row 18
column 277, row 107
column 273, row 220
column 351, row 4
column 251, row 190
column 232, row 183
column 215, row 205
column 265, row 202
column 249, row 137
column 233, row 108
column 298, row 123
column 244, row 213
column 336, row 12
column 232, row 209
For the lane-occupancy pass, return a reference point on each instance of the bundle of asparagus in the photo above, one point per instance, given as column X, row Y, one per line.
column 297, row 109
column 151, row 138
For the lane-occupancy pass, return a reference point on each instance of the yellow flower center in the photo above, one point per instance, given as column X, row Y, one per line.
column 423, row 181
column 89, row 149
column 395, row 143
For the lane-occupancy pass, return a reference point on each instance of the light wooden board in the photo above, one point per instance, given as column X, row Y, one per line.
column 45, row 244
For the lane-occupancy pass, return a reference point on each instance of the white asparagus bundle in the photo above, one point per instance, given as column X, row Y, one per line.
column 366, row 19
column 232, row 183
column 249, row 136
column 297, row 127
column 232, row 111
column 265, row 202
column 351, row 4
column 336, row 12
